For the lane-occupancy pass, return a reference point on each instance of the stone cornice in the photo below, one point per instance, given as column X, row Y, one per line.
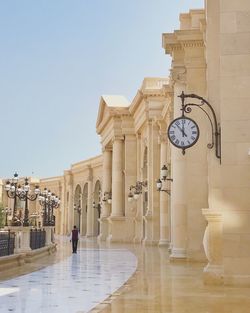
column 151, row 87
column 182, row 39
column 84, row 165
column 112, row 112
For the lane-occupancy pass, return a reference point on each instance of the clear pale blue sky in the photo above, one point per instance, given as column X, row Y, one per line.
column 57, row 58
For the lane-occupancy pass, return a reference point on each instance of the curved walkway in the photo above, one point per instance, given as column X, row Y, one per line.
column 75, row 284
column 78, row 283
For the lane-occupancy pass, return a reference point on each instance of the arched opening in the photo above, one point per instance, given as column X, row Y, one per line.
column 77, row 207
column 145, row 192
column 84, row 210
column 97, row 207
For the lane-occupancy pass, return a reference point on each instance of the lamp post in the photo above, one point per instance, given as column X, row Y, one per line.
column 136, row 190
column 15, row 191
column 49, row 201
column 163, row 179
column 98, row 207
column 79, row 211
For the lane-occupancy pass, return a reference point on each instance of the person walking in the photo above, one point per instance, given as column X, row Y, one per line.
column 74, row 239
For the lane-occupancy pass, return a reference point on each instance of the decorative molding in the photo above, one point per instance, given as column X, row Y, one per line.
column 179, row 74
column 162, row 138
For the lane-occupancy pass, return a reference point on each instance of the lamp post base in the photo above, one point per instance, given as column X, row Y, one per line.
column 26, row 223
column 16, row 222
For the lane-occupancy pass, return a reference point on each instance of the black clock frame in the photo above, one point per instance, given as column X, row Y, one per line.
column 193, row 143
column 215, row 126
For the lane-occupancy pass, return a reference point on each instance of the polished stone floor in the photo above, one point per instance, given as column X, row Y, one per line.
column 76, row 284
column 118, row 279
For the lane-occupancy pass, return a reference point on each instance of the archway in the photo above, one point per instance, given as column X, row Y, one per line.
column 77, row 207
column 97, row 207
column 84, row 210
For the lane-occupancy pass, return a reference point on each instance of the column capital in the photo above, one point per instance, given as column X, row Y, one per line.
column 162, row 124
column 162, row 138
column 178, row 74
column 107, row 149
column 130, row 137
column 117, row 137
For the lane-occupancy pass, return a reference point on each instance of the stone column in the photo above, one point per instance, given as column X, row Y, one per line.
column 106, row 187
column 178, row 194
column 69, row 200
column 117, row 177
column 130, row 175
column 139, row 203
column 164, row 197
column 152, row 217
column 107, row 179
column 117, row 218
column 213, row 246
column 90, row 221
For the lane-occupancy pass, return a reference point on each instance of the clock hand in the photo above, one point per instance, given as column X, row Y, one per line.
column 183, row 133
column 182, row 130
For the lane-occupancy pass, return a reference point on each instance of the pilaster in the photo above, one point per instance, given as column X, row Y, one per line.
column 164, row 197
column 178, row 192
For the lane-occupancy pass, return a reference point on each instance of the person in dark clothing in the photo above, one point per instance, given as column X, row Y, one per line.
column 74, row 239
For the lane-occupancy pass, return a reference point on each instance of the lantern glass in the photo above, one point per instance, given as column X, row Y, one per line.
column 136, row 195
column 158, row 184
column 164, row 172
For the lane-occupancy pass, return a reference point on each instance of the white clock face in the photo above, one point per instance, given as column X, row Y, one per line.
column 183, row 132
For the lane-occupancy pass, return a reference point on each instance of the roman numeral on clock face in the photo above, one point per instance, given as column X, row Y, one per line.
column 183, row 132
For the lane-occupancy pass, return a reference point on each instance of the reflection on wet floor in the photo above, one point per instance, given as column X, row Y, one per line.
column 76, row 284
column 94, row 274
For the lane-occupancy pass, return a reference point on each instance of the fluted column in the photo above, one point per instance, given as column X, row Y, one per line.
column 164, row 197
column 117, row 177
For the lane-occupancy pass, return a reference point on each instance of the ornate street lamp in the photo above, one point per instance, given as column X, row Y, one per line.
column 136, row 190
column 49, row 201
column 98, row 207
column 15, row 191
column 54, row 203
column 107, row 197
column 163, row 179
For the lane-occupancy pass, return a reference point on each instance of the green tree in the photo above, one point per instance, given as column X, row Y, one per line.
column 2, row 215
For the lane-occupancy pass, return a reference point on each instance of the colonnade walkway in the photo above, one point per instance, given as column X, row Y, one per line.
column 116, row 278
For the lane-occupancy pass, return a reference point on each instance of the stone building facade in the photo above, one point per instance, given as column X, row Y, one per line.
column 204, row 212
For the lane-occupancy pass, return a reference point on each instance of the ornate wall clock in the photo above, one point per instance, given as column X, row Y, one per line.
column 183, row 132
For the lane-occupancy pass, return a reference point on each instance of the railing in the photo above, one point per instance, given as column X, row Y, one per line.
column 154, row 83
column 37, row 238
column 7, row 243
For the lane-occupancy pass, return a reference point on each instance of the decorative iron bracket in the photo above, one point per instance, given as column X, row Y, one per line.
column 215, row 127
